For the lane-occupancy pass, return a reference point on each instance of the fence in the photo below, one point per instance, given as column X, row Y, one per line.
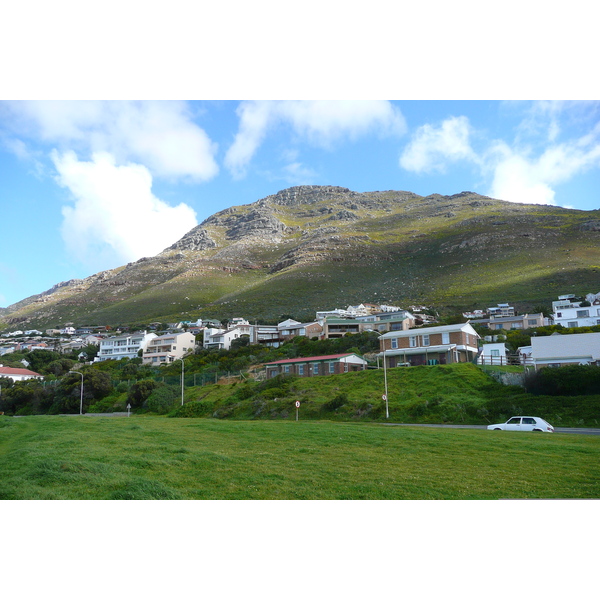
column 197, row 379
column 502, row 361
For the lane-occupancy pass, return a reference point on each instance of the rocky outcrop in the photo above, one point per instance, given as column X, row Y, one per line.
column 307, row 194
column 196, row 239
column 590, row 226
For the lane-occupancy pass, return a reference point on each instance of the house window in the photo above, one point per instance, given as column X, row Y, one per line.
column 558, row 315
column 572, row 324
column 412, row 340
column 445, row 338
column 300, row 369
column 582, row 314
column 286, row 369
column 315, row 368
column 532, row 322
column 331, row 368
column 495, row 352
column 345, row 367
column 394, row 343
column 426, row 340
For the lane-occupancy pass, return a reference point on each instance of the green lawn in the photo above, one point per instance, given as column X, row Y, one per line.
column 51, row 457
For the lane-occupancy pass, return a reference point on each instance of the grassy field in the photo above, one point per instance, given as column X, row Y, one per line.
column 51, row 457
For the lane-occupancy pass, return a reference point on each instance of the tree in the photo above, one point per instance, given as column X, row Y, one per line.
column 140, row 391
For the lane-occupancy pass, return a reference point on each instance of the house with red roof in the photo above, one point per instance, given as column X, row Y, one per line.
column 311, row 366
column 19, row 374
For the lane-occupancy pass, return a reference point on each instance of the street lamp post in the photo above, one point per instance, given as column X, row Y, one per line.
column 385, row 395
column 81, row 395
column 387, row 410
column 182, row 377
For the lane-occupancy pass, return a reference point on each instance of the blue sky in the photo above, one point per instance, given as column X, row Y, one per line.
column 91, row 185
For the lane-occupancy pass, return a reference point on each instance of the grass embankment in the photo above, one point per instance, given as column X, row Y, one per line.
column 459, row 393
column 51, row 457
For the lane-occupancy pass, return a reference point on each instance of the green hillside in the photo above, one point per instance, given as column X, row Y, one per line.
column 457, row 394
column 313, row 247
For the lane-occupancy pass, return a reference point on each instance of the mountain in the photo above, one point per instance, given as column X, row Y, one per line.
column 319, row 247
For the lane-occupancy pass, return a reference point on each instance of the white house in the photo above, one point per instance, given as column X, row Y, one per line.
column 568, row 312
column 123, row 346
column 493, row 354
column 19, row 374
column 165, row 349
column 221, row 338
column 502, row 310
column 559, row 350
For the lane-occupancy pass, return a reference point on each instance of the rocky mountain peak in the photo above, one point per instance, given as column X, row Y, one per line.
column 307, row 194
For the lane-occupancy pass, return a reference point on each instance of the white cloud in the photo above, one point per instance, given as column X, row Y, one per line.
column 431, row 149
column 160, row 135
column 526, row 171
column 321, row 123
column 520, row 177
column 115, row 218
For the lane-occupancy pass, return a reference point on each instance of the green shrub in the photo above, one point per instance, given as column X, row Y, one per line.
column 335, row 403
column 162, row 399
column 193, row 409
column 140, row 391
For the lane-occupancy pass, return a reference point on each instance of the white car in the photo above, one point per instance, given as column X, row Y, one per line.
column 524, row 424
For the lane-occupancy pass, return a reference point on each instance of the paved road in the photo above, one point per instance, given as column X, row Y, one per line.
column 579, row 430
column 113, row 414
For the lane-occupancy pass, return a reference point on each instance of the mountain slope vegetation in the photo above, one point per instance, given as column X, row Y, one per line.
column 317, row 247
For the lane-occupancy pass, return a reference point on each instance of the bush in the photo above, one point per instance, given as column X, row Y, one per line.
column 162, row 399
column 335, row 403
column 572, row 380
column 199, row 408
column 140, row 391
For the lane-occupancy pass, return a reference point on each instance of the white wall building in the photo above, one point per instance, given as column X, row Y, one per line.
column 165, row 349
column 559, row 350
column 123, row 346
column 18, row 374
column 568, row 312
column 493, row 354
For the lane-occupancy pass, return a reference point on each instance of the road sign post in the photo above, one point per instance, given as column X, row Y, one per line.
column 128, row 409
column 297, row 407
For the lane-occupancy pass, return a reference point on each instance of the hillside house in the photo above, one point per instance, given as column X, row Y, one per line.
column 220, row 339
column 493, row 354
column 19, row 374
column 559, row 350
column 444, row 344
column 164, row 349
column 568, row 312
column 515, row 322
column 502, row 310
column 398, row 320
column 337, row 328
column 290, row 329
column 123, row 346
column 333, row 364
